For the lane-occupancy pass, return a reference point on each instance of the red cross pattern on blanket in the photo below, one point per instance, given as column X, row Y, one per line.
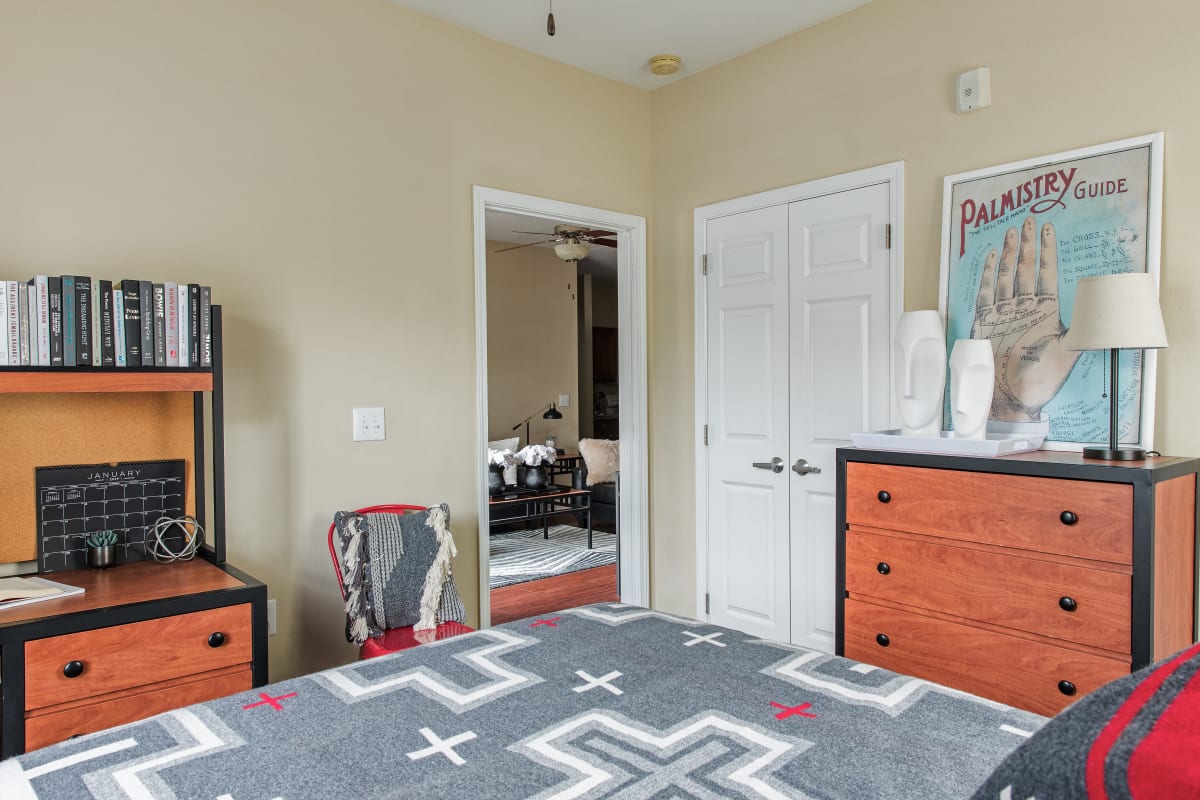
column 550, row 623
column 273, row 702
column 789, row 711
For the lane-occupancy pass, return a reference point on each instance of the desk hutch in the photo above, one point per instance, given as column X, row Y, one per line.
column 143, row 637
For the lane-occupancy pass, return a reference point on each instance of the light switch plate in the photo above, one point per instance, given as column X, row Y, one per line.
column 564, row 400
column 369, row 425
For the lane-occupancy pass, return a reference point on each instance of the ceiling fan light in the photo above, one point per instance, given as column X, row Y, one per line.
column 571, row 251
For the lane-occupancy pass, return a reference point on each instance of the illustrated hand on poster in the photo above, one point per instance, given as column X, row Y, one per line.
column 1017, row 309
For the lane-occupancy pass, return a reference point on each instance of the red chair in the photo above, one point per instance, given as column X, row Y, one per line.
column 393, row 639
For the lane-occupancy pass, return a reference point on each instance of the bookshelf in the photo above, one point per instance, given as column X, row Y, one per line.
column 146, row 637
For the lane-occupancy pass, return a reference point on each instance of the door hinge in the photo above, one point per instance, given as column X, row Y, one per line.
column 707, row 610
column 706, row 436
column 887, row 236
column 704, row 264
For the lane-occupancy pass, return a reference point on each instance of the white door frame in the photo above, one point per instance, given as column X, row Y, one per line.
column 631, row 322
column 885, row 173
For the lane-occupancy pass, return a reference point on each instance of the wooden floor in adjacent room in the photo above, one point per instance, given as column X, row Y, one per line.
column 532, row 598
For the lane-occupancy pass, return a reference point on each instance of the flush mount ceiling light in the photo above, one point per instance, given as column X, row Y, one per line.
column 664, row 64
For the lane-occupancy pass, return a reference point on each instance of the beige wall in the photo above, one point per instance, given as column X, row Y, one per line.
column 877, row 85
column 313, row 162
column 533, row 351
column 604, row 303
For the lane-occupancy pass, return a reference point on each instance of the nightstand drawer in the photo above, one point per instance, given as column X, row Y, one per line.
column 1030, row 675
column 1084, row 519
column 138, row 654
column 50, row 727
column 1076, row 604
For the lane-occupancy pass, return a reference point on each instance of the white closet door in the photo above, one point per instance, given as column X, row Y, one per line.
column 748, row 512
column 840, row 299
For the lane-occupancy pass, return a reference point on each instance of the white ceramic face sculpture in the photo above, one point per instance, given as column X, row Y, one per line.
column 920, row 348
column 972, row 381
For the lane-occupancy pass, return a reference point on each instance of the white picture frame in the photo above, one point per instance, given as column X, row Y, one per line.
column 1095, row 210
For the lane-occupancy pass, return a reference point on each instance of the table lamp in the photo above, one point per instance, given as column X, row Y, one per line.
column 552, row 412
column 1116, row 312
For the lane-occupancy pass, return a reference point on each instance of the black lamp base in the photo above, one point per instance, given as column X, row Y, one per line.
column 1119, row 454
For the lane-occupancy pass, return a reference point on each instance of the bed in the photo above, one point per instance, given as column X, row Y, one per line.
column 599, row 701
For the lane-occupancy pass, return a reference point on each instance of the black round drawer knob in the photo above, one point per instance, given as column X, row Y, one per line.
column 884, row 497
column 73, row 669
column 216, row 639
column 1067, row 688
column 882, row 639
column 1068, row 518
column 1067, row 603
column 883, row 567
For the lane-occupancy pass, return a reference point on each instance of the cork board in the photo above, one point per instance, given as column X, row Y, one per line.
column 45, row 430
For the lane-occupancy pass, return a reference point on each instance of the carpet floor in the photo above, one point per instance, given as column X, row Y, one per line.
column 525, row 556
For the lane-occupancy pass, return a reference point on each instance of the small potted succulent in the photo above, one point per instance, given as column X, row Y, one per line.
column 101, row 549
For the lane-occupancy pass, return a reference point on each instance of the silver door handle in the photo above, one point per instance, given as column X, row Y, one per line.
column 801, row 467
column 775, row 464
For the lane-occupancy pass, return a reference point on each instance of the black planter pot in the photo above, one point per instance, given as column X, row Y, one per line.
column 495, row 479
column 535, row 478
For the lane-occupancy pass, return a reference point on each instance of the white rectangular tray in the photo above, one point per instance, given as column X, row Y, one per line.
column 996, row 444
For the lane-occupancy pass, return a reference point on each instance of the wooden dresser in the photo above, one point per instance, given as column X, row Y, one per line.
column 1029, row 579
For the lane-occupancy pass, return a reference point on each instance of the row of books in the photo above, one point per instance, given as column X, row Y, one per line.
column 73, row 321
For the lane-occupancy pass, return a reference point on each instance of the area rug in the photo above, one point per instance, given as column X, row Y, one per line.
column 525, row 556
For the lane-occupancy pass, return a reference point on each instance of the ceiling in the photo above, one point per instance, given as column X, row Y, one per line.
column 500, row 227
column 616, row 38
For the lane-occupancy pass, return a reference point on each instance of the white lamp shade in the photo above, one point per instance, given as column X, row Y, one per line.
column 571, row 251
column 1116, row 312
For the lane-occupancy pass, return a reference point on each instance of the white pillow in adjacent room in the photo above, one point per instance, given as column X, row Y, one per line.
column 602, row 458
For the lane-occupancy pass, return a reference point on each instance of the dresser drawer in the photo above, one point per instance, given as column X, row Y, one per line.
column 1021, row 593
column 1003, row 668
column 137, row 654
column 1085, row 519
column 50, row 727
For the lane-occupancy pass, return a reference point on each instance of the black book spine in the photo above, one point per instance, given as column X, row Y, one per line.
column 108, row 346
column 131, row 295
column 146, row 290
column 194, row 323
column 205, row 326
column 54, row 286
column 160, row 325
column 83, row 320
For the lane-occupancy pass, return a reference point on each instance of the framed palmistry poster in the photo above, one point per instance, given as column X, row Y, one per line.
column 1016, row 239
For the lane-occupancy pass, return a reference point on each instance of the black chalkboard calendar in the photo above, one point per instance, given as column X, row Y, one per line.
column 127, row 497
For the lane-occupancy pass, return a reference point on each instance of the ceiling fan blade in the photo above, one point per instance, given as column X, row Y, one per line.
column 605, row 242
column 518, row 247
column 535, row 233
column 599, row 233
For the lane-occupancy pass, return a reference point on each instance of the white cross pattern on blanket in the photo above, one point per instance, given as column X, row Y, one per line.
column 697, row 639
column 443, row 746
column 599, row 751
column 598, row 683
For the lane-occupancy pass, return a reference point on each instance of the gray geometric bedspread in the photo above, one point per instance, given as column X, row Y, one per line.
column 608, row 700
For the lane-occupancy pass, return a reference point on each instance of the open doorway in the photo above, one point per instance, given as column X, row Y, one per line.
column 547, row 319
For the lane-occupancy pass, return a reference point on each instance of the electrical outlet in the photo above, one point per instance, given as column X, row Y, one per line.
column 271, row 629
column 369, row 425
column 564, row 400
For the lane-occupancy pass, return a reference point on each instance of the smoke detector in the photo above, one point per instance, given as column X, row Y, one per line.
column 664, row 64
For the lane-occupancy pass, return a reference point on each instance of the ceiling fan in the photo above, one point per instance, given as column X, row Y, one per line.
column 572, row 243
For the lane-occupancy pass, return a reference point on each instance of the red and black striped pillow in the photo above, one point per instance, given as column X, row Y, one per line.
column 1137, row 737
